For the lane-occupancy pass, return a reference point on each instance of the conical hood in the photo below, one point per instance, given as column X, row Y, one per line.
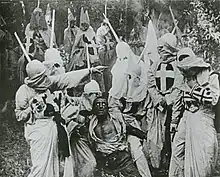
column 84, row 17
column 70, row 16
column 48, row 17
column 151, row 52
column 87, row 17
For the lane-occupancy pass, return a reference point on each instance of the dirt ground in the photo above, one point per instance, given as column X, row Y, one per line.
column 14, row 151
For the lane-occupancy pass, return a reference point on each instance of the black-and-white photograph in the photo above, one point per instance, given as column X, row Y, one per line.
column 109, row 88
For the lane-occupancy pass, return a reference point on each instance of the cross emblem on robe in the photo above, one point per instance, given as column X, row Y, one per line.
column 165, row 74
column 93, row 45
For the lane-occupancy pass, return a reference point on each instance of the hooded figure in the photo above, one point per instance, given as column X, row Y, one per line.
column 163, row 78
column 84, row 20
column 77, row 111
column 137, row 88
column 38, row 30
column 85, row 43
column 37, row 78
column 70, row 32
column 107, row 53
column 127, row 84
column 72, row 104
column 193, row 117
column 31, row 108
column 54, row 62
column 54, row 67
column 38, row 21
column 86, row 35
column 36, row 107
column 119, row 85
column 48, row 16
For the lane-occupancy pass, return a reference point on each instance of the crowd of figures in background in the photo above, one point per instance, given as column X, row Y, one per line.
column 103, row 105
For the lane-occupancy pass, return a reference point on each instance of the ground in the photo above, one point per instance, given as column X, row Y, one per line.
column 14, row 151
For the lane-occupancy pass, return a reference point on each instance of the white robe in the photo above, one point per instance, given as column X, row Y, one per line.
column 195, row 146
column 41, row 132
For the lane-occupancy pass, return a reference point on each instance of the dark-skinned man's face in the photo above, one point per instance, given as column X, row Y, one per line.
column 100, row 107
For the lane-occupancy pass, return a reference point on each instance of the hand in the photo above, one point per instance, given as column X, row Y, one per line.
column 106, row 20
column 38, row 104
column 98, row 69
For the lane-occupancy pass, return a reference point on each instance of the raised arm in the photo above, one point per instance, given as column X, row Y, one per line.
column 72, row 79
column 69, row 79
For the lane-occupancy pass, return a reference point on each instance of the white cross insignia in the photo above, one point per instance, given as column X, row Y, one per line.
column 164, row 76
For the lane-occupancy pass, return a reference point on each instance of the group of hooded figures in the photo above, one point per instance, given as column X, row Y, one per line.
column 155, row 115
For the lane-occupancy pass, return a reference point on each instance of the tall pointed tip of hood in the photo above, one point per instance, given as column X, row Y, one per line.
column 48, row 8
column 70, row 16
column 84, row 16
column 48, row 16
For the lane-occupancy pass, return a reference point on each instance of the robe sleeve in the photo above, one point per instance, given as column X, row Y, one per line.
column 135, row 132
column 68, row 80
column 154, row 93
column 208, row 94
column 23, row 110
column 177, row 108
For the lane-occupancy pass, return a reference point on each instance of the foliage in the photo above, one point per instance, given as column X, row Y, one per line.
column 14, row 151
column 198, row 20
column 203, row 32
